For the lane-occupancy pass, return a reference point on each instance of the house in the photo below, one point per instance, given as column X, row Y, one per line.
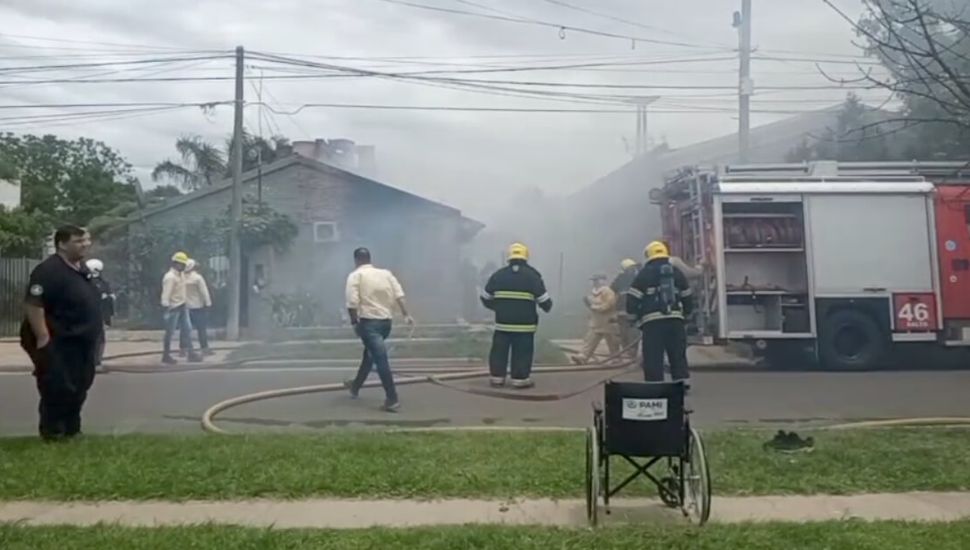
column 336, row 211
column 613, row 218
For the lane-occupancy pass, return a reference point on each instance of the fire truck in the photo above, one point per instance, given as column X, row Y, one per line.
column 842, row 263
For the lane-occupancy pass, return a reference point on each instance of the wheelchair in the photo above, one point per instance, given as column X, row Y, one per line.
column 647, row 426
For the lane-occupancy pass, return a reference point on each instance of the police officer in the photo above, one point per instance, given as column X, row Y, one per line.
column 512, row 293
column 61, row 330
column 659, row 299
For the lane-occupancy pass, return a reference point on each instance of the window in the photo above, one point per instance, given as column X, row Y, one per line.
column 325, row 232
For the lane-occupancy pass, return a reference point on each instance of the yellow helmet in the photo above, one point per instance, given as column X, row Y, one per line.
column 518, row 251
column 627, row 264
column 656, row 250
column 180, row 258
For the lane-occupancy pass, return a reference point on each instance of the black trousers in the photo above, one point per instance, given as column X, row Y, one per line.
column 521, row 345
column 64, row 370
column 664, row 336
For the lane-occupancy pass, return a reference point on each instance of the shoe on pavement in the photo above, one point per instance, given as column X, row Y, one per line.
column 354, row 393
column 790, row 442
column 208, row 352
column 169, row 360
column 577, row 359
column 182, row 353
column 392, row 406
column 497, row 381
column 522, row 384
column 195, row 358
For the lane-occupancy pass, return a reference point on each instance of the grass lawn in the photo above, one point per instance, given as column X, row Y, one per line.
column 465, row 345
column 482, row 464
column 848, row 535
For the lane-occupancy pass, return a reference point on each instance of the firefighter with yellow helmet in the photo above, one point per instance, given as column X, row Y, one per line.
column 660, row 299
column 513, row 293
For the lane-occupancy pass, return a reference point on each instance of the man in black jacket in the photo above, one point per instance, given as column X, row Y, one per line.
column 660, row 298
column 513, row 293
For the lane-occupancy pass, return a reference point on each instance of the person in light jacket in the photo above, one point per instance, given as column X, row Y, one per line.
column 175, row 313
column 601, row 302
column 197, row 301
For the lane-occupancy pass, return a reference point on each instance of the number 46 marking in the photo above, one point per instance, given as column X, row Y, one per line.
column 914, row 313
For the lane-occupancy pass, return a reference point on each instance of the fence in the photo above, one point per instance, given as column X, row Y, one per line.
column 14, row 274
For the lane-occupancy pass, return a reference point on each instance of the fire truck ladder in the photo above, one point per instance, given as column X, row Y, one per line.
column 697, row 254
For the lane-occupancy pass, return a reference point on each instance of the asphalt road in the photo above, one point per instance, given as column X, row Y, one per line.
column 124, row 403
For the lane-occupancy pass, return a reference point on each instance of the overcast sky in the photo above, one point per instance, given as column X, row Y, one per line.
column 473, row 160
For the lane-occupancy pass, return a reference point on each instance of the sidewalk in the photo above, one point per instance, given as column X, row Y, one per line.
column 352, row 514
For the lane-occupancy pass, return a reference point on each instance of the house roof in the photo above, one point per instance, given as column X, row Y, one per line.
column 768, row 143
column 283, row 164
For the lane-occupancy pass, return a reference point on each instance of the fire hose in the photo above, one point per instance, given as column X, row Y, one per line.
column 442, row 380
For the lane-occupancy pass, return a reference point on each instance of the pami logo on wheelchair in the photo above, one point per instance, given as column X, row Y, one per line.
column 647, row 426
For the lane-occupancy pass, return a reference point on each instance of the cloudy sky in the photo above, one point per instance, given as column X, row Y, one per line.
column 471, row 159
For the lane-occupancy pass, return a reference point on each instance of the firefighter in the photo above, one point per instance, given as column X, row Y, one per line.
column 659, row 299
column 628, row 331
column 513, row 292
column 96, row 267
column 601, row 302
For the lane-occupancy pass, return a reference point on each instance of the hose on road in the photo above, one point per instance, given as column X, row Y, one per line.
column 443, row 380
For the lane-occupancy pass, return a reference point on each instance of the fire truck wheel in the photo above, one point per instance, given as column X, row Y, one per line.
column 850, row 340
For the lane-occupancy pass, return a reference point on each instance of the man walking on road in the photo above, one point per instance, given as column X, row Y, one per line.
column 372, row 294
column 176, row 312
column 62, row 328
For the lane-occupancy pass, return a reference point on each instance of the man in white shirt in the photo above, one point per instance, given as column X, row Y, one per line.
column 371, row 296
column 176, row 314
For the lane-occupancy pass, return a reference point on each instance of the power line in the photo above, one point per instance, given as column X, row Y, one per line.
column 561, row 27
column 446, row 108
column 41, row 68
column 604, row 15
column 94, row 105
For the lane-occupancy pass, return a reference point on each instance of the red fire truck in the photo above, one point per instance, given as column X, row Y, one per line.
column 845, row 261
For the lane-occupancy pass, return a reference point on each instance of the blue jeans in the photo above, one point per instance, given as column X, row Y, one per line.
column 372, row 333
column 177, row 319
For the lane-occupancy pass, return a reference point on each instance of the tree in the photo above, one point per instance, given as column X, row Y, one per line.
column 925, row 46
column 202, row 164
column 67, row 180
column 22, row 233
column 855, row 137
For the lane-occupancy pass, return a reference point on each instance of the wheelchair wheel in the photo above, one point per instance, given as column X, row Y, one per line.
column 697, row 493
column 592, row 476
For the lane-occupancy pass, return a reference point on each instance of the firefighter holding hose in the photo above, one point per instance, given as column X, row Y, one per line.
column 660, row 299
column 513, row 292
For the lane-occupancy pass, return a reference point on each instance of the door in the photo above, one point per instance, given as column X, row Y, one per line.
column 953, row 234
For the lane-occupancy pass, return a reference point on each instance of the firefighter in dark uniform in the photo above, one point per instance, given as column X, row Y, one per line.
column 62, row 328
column 659, row 299
column 620, row 286
column 513, row 293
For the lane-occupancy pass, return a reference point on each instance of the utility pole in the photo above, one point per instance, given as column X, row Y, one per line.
column 742, row 22
column 641, row 145
column 235, row 211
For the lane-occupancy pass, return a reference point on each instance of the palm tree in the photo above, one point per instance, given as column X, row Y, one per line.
column 202, row 164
